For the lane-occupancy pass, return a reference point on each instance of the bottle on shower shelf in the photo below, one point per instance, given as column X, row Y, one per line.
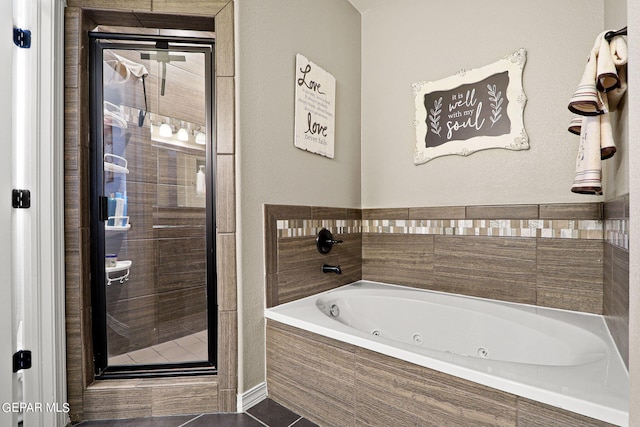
column 200, row 182
column 111, row 203
column 119, row 208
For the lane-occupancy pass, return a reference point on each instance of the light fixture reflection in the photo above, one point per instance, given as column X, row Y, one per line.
column 183, row 135
column 165, row 130
column 200, row 138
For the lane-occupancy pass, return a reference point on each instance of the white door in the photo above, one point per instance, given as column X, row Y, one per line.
column 7, row 341
column 31, row 240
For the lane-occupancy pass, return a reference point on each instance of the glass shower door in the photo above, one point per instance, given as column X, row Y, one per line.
column 155, row 298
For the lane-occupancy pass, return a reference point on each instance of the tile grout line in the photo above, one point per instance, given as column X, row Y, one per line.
column 193, row 419
column 258, row 420
column 295, row 422
column 185, row 424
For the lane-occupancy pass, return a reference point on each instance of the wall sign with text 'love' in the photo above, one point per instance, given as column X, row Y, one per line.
column 472, row 110
column 315, row 108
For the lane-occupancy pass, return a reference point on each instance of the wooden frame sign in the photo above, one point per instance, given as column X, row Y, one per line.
column 472, row 110
column 315, row 108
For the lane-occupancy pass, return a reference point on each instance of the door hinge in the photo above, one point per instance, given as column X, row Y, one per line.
column 21, row 360
column 21, row 199
column 22, row 38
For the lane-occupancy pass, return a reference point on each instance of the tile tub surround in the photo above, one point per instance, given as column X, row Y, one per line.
column 616, row 222
column 551, row 255
column 616, row 272
column 548, row 255
column 334, row 383
column 293, row 264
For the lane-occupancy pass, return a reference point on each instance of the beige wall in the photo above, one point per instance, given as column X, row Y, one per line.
column 270, row 169
column 415, row 40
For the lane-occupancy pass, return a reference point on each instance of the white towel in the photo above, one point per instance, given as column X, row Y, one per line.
column 607, row 75
column 586, row 100
column 588, row 179
column 601, row 87
column 123, row 69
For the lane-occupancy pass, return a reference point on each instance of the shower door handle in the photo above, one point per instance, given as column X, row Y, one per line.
column 104, row 208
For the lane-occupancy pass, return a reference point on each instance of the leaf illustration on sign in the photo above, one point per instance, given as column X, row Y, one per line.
column 434, row 116
column 496, row 104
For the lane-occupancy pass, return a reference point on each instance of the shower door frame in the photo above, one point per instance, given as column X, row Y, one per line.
column 98, row 43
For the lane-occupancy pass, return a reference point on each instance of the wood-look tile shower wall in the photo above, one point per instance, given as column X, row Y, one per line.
column 165, row 296
column 90, row 399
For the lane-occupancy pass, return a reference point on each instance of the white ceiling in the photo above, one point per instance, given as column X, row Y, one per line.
column 366, row 5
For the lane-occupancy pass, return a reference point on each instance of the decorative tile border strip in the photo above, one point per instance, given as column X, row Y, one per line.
column 616, row 232
column 559, row 229
column 562, row 229
column 408, row 226
column 311, row 227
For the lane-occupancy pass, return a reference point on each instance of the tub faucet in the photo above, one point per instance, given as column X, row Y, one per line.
column 331, row 269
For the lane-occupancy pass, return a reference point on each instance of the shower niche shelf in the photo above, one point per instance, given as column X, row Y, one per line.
column 116, row 164
column 119, row 165
column 119, row 273
column 117, row 220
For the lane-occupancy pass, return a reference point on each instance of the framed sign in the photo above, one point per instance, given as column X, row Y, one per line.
column 472, row 110
column 315, row 108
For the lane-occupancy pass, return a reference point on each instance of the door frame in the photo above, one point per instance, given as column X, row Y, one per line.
column 38, row 232
column 98, row 42
column 83, row 393
column 7, row 337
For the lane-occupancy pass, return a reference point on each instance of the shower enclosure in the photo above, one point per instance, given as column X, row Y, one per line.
column 152, row 205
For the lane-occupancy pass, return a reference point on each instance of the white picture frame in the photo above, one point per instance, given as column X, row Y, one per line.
column 473, row 110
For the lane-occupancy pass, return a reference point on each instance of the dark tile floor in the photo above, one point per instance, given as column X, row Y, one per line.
column 266, row 413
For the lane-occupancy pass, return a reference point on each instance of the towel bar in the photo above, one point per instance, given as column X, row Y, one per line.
column 611, row 34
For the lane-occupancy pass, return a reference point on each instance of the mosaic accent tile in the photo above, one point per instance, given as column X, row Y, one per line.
column 616, row 232
column 423, row 226
column 557, row 229
column 562, row 229
column 309, row 227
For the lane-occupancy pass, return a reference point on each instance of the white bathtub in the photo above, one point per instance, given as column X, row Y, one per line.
column 561, row 358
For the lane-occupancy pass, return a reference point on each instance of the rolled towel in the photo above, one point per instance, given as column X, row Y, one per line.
column 586, row 100
column 575, row 125
column 588, row 177
column 619, row 50
column 614, row 96
column 617, row 53
column 601, row 88
column 607, row 143
column 607, row 75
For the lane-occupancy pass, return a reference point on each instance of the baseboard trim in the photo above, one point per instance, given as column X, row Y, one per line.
column 252, row 397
